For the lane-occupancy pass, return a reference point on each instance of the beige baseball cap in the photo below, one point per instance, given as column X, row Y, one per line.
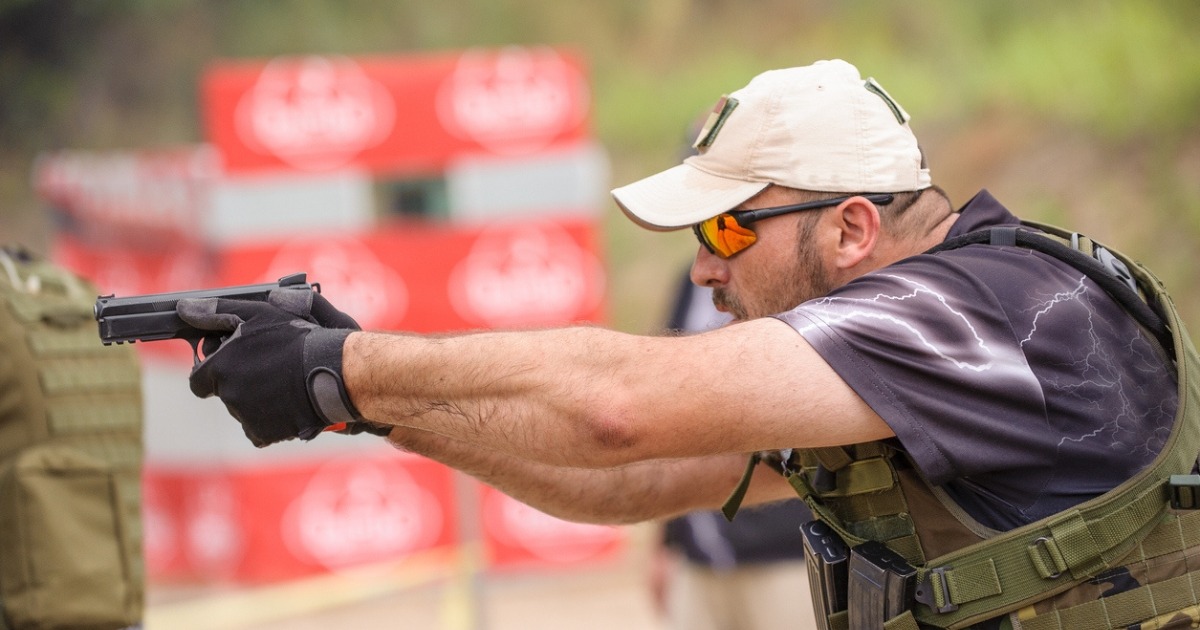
column 820, row 127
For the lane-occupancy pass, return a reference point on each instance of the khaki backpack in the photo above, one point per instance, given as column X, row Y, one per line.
column 70, row 457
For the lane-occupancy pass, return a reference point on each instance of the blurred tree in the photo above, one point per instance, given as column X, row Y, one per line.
column 44, row 44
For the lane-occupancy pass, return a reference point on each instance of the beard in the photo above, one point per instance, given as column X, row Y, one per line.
column 809, row 279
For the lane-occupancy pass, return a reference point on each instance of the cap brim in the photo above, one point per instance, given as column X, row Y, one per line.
column 682, row 196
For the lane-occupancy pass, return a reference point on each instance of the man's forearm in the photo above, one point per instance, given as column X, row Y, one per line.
column 550, row 396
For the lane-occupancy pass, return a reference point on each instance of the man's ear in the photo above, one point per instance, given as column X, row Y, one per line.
column 859, row 223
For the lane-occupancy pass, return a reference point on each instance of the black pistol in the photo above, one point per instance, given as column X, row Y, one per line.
column 153, row 318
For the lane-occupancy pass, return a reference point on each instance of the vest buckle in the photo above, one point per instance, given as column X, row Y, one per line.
column 927, row 589
column 1184, row 492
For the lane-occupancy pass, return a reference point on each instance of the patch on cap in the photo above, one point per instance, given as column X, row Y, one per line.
column 712, row 125
column 873, row 87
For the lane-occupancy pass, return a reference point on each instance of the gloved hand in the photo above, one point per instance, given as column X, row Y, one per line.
column 279, row 368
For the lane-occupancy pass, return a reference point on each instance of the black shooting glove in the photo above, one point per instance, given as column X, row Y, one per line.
column 276, row 365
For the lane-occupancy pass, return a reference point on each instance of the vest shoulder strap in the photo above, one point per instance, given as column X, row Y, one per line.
column 1128, row 282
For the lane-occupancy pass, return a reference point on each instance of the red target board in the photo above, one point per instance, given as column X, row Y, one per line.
column 429, row 279
column 263, row 524
column 393, row 114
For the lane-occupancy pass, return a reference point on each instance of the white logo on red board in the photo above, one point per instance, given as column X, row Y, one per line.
column 513, row 102
column 351, row 277
column 315, row 113
column 355, row 513
column 526, row 276
column 543, row 536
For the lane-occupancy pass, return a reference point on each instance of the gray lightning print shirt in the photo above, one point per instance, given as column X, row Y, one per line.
column 1010, row 379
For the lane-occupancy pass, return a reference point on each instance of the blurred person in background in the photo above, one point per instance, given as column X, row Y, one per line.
column 925, row 377
column 715, row 574
column 70, row 457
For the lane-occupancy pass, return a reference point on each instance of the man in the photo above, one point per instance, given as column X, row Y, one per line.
column 998, row 385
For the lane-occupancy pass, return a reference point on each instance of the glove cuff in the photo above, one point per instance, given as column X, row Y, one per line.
column 323, row 376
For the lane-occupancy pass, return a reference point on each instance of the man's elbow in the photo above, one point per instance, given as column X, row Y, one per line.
column 615, row 436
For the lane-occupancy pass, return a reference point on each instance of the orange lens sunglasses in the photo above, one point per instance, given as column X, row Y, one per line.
column 729, row 232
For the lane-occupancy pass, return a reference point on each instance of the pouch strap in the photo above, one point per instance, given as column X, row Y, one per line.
column 734, row 502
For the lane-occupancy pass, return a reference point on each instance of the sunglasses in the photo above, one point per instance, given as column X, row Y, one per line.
column 729, row 232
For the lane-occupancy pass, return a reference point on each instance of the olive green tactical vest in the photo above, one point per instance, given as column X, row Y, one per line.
column 70, row 458
column 1130, row 557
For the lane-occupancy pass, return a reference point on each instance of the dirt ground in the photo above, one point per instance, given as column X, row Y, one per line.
column 428, row 593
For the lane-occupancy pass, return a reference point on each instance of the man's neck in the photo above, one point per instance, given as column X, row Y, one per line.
column 939, row 231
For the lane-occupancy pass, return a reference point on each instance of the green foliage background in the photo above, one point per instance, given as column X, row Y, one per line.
column 1079, row 113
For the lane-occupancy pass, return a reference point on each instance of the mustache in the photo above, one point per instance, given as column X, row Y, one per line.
column 725, row 301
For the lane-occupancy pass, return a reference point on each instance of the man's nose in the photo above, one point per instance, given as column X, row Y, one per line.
column 709, row 270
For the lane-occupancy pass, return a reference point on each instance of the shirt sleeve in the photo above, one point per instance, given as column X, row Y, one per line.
column 928, row 347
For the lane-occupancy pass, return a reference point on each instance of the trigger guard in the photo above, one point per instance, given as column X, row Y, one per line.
column 198, row 346
column 195, row 343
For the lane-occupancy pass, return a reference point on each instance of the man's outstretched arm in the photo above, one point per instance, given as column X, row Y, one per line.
column 576, row 397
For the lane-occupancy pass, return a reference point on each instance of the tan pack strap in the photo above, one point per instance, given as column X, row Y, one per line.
column 981, row 580
column 865, row 476
column 833, row 458
column 1156, row 601
column 1122, row 286
column 1145, row 298
column 1047, row 557
column 903, row 621
column 734, row 502
column 1082, row 548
